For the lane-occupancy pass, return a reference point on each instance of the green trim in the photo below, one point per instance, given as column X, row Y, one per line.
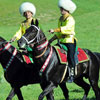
column 29, row 49
column 84, row 60
column 57, row 47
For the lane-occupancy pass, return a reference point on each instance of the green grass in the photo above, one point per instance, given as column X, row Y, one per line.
column 87, row 19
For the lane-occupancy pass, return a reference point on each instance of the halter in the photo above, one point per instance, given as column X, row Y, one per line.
column 37, row 36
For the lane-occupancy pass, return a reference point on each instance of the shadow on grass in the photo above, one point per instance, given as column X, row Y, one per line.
column 76, row 98
column 81, row 99
column 76, row 90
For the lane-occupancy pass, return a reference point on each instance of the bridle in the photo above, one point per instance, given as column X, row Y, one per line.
column 37, row 36
column 43, row 47
column 40, row 47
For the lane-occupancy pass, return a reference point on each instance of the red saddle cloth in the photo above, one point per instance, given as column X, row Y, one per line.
column 82, row 56
column 27, row 59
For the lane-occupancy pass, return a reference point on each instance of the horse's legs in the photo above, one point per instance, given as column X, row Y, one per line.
column 11, row 94
column 94, row 84
column 47, row 90
column 50, row 95
column 64, row 90
column 18, row 93
column 80, row 82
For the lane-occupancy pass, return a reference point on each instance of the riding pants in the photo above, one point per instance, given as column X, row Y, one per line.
column 71, row 53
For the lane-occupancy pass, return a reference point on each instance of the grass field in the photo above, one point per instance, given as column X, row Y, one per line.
column 87, row 18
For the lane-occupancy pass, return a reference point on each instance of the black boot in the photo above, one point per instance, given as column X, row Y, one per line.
column 71, row 75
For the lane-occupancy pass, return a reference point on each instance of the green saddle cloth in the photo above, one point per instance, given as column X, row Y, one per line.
column 29, row 49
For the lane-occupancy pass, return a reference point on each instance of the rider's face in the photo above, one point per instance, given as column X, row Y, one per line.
column 28, row 15
column 63, row 11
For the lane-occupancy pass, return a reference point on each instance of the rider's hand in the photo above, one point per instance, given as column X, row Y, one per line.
column 13, row 39
column 51, row 31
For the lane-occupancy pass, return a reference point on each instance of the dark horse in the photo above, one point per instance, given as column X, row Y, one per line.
column 16, row 71
column 50, row 68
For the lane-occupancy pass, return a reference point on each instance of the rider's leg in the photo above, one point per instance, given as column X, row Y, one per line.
column 71, row 61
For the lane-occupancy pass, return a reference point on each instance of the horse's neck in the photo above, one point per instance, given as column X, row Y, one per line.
column 4, row 58
column 8, row 55
column 42, row 48
column 2, row 39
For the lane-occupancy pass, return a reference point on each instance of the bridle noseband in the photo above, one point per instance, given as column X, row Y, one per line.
column 37, row 36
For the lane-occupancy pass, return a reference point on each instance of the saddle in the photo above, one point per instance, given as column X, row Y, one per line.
column 27, row 57
column 80, row 55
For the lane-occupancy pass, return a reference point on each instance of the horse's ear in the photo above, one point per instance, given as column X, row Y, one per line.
column 36, row 22
column 32, row 22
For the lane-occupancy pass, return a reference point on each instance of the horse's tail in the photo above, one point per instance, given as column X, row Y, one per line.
column 98, row 57
column 96, row 54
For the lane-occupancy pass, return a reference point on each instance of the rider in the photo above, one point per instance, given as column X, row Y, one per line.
column 28, row 11
column 65, row 32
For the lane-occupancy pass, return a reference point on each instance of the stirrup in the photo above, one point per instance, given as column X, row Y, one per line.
column 72, row 72
column 70, row 79
column 71, row 75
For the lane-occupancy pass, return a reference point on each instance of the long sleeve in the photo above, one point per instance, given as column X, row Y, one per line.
column 69, row 26
column 18, row 34
column 67, row 32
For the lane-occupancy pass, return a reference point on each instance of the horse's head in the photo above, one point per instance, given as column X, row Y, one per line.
column 32, row 35
column 4, row 45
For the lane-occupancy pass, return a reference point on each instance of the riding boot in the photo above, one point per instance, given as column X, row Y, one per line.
column 71, row 75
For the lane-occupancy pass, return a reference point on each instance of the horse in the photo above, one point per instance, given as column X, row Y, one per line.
column 98, row 56
column 16, row 71
column 51, row 70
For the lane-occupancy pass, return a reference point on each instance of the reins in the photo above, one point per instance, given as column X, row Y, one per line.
column 42, row 53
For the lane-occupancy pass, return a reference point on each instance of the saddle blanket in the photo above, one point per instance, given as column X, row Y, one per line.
column 82, row 56
column 27, row 59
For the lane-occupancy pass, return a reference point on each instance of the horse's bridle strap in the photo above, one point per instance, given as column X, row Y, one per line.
column 40, row 47
column 42, row 53
column 11, row 59
column 46, row 62
column 28, row 42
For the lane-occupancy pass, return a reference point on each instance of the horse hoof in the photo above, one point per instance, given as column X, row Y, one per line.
column 8, row 98
column 67, row 98
column 84, row 97
column 98, row 98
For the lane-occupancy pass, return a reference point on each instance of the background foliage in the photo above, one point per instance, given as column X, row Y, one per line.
column 87, row 18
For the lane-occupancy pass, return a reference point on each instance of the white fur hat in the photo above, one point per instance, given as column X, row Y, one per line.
column 68, row 5
column 27, row 6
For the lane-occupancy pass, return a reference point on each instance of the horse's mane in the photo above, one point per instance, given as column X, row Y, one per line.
column 2, row 39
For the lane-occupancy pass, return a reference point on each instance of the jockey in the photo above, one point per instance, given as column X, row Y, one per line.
column 65, row 32
column 28, row 11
